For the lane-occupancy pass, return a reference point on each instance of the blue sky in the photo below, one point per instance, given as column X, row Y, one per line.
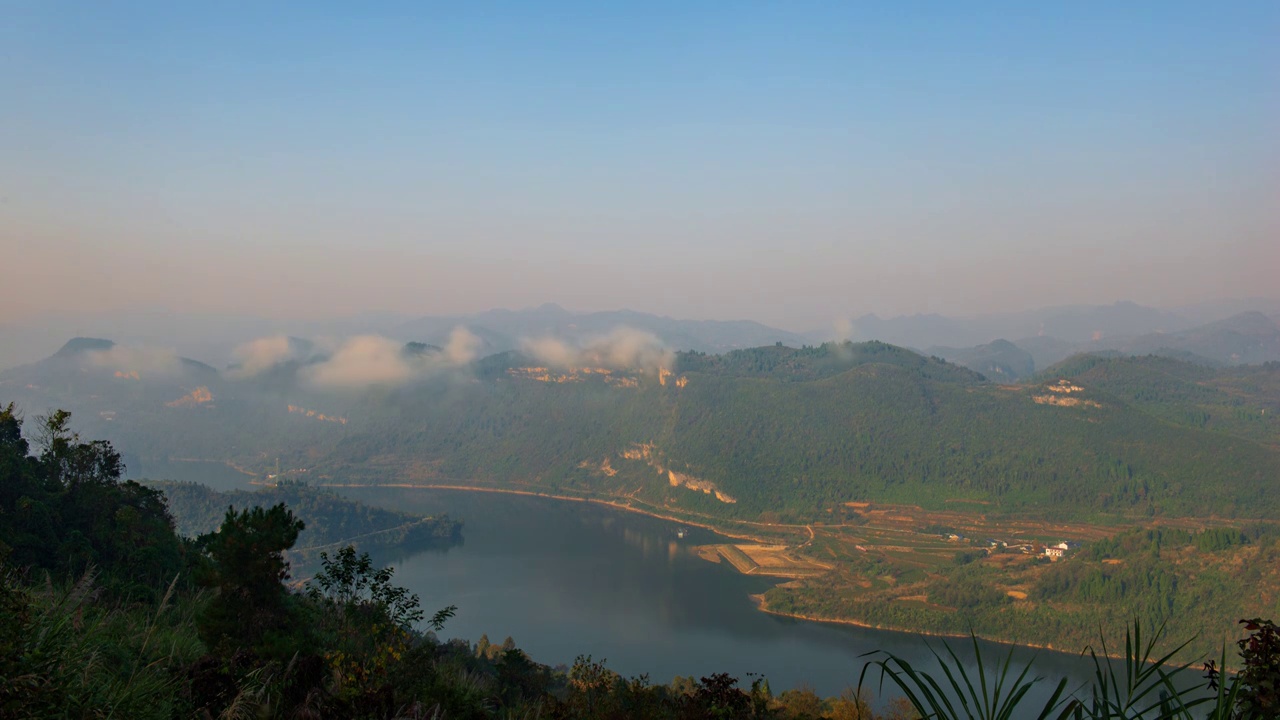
column 789, row 162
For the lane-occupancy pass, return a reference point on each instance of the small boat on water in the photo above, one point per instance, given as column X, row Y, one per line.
column 681, row 532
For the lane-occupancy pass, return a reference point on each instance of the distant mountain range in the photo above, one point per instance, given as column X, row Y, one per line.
column 1249, row 338
column 213, row 338
column 1048, row 335
column 1070, row 324
column 999, row 360
column 503, row 330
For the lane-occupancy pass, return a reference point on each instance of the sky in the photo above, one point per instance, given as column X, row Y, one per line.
column 790, row 163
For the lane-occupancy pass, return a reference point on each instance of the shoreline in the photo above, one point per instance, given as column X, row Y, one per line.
column 763, row 606
column 614, row 504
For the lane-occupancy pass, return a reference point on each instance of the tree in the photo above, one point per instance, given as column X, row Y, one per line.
column 520, row 678
column 70, row 463
column 718, row 696
column 361, row 592
column 590, row 683
column 245, row 563
column 11, row 431
column 1261, row 673
column 802, row 703
column 67, row 510
column 852, row 705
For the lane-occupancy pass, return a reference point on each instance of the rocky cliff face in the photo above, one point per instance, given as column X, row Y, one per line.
column 648, row 453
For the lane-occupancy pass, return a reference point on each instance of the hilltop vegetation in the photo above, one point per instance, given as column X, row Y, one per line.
column 1240, row 401
column 815, row 363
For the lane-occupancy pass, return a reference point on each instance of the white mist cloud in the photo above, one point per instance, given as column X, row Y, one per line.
column 462, row 347
column 551, row 351
column 624, row 347
column 260, row 355
column 375, row 360
column 362, row 360
column 843, row 328
column 140, row 360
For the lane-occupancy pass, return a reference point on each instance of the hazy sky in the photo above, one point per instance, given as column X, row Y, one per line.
column 788, row 162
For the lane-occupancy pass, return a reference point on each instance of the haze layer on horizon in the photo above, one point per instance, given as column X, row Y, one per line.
column 790, row 163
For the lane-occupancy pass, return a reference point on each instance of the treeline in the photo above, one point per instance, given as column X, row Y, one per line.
column 816, row 362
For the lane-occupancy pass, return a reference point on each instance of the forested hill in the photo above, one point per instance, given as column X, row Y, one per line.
column 1243, row 401
column 777, row 362
column 802, row 430
column 759, row 433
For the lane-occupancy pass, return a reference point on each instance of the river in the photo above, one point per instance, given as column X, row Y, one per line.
column 568, row 578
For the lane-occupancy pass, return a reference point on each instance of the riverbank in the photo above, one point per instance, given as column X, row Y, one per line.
column 762, row 604
column 611, row 503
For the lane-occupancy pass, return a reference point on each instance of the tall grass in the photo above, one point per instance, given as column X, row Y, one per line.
column 75, row 656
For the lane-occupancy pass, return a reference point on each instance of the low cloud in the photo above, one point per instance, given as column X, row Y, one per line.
column 260, row 355
column 624, row 347
column 363, row 360
column 463, row 346
column 844, row 332
column 843, row 328
column 375, row 360
column 551, row 351
column 354, row 362
column 141, row 361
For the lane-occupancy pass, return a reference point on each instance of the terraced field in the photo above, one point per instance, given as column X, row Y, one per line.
column 771, row 560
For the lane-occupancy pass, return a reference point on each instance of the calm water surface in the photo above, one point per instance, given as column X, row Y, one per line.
column 567, row 578
column 216, row 475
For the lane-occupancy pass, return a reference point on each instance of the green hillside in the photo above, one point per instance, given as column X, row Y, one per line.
column 1243, row 401
column 800, row 430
